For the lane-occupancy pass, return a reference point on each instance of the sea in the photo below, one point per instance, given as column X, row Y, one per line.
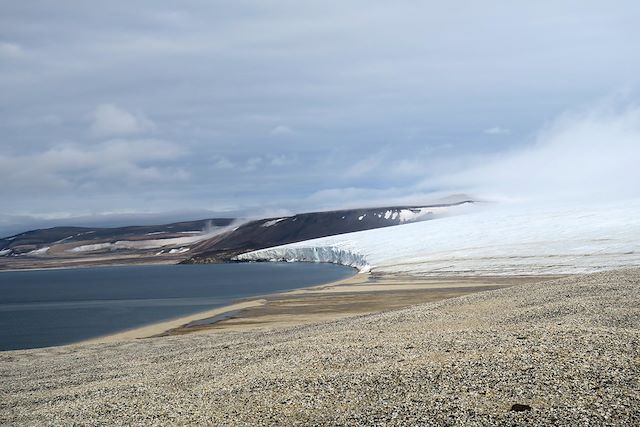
column 42, row 308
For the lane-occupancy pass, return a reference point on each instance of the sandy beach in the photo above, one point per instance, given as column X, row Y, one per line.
column 357, row 295
column 564, row 352
column 162, row 327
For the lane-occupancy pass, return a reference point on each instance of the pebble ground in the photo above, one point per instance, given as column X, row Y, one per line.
column 565, row 352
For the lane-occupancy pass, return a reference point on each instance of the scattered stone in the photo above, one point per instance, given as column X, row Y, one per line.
column 518, row 407
column 468, row 366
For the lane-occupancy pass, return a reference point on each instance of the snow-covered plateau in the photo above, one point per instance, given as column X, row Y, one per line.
column 489, row 240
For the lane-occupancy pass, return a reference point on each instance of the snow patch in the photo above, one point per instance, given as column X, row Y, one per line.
column 41, row 251
column 419, row 214
column 173, row 251
column 142, row 244
column 273, row 222
column 91, row 248
column 5, row 252
column 179, row 250
column 63, row 240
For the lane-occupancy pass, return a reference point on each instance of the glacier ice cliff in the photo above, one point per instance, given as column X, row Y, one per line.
column 328, row 254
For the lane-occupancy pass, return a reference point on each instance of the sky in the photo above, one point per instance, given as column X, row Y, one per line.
column 188, row 108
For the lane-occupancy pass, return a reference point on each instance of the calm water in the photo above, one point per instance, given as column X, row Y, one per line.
column 54, row 307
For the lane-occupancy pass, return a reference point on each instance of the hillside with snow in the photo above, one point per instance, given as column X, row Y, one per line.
column 270, row 232
column 203, row 241
column 488, row 240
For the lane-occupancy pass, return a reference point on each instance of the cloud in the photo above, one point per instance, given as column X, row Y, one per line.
column 110, row 164
column 11, row 50
column 364, row 166
column 279, row 160
column 355, row 197
column 222, row 163
column 252, row 163
column 220, row 79
column 590, row 154
column 409, row 167
column 281, row 130
column 497, row 130
column 111, row 120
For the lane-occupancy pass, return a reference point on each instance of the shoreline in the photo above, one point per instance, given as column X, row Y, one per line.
column 163, row 328
column 562, row 349
column 157, row 329
column 362, row 293
column 160, row 328
column 74, row 267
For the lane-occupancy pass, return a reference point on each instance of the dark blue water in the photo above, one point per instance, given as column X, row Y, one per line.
column 53, row 307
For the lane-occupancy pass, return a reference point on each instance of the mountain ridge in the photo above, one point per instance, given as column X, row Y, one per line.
column 212, row 240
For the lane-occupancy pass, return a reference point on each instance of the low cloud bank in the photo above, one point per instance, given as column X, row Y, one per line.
column 588, row 155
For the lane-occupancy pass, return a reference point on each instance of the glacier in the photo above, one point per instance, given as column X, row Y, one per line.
column 491, row 239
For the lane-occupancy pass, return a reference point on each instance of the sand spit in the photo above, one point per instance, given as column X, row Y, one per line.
column 566, row 351
column 357, row 295
column 161, row 327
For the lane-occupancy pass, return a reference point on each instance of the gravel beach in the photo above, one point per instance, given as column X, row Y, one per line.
column 563, row 352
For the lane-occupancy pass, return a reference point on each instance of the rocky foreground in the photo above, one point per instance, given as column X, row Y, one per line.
column 564, row 352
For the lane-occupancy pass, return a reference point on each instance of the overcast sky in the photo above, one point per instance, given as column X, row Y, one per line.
column 268, row 106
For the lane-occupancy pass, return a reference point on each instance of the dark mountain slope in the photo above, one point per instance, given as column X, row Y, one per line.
column 44, row 237
column 270, row 232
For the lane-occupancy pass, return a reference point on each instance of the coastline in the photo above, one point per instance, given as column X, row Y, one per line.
column 159, row 328
column 562, row 349
column 162, row 328
column 72, row 266
column 215, row 309
column 360, row 294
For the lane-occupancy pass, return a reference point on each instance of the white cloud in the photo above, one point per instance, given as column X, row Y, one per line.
column 355, row 197
column 111, row 163
column 252, row 163
column 222, row 163
column 364, row 166
column 589, row 154
column 111, row 120
column 281, row 130
column 10, row 50
column 229, row 75
column 409, row 167
column 497, row 130
column 278, row 160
